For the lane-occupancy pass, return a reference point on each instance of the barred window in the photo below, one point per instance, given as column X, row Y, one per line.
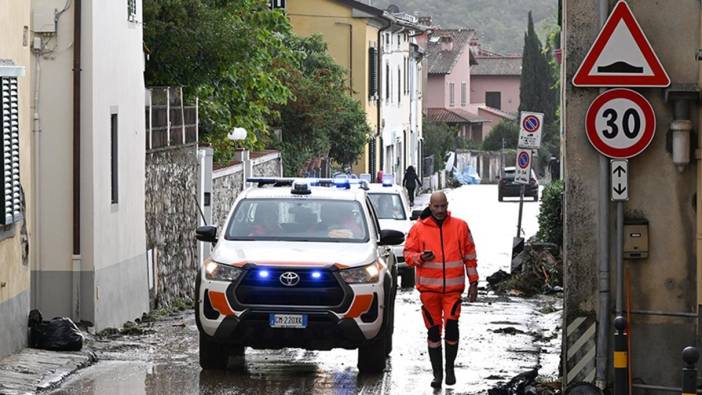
column 10, row 195
column 131, row 10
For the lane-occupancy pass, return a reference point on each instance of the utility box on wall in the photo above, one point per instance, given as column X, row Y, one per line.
column 636, row 239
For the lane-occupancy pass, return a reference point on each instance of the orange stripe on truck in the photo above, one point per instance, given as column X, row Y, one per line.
column 219, row 303
column 361, row 304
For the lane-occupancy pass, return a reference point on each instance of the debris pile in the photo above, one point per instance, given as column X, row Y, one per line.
column 526, row 384
column 538, row 270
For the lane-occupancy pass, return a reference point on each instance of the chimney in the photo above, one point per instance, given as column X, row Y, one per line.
column 425, row 20
column 447, row 43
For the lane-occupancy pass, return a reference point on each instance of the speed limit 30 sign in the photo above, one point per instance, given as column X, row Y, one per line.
column 620, row 123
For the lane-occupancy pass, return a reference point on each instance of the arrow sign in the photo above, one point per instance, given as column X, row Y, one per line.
column 620, row 180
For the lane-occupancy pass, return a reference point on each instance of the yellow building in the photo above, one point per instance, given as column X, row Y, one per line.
column 351, row 30
column 15, row 173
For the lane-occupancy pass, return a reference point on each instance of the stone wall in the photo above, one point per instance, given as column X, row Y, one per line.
column 172, row 177
column 228, row 182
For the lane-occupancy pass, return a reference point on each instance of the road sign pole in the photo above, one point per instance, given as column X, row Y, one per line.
column 620, row 260
column 521, row 207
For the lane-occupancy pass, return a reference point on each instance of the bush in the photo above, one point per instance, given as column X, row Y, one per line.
column 509, row 130
column 551, row 214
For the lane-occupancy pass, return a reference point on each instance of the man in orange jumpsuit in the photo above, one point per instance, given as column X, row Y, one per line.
column 442, row 250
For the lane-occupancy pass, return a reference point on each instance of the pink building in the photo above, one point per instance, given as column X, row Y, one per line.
column 495, row 82
column 447, row 95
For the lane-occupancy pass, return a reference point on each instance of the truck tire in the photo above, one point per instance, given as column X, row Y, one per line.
column 372, row 356
column 212, row 355
column 407, row 277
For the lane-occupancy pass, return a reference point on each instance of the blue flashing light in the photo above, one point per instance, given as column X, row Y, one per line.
column 264, row 274
column 342, row 183
column 316, row 275
column 388, row 180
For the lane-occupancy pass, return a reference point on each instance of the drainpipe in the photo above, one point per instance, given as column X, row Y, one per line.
column 76, row 157
column 698, row 155
column 380, row 85
column 603, row 254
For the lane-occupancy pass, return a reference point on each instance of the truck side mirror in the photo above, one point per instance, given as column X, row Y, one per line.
column 416, row 214
column 206, row 233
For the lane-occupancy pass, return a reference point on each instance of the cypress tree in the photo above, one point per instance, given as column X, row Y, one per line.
column 536, row 84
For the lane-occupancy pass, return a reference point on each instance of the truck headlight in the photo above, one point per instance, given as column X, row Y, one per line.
column 364, row 274
column 219, row 272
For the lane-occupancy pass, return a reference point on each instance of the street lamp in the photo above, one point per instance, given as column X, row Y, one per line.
column 237, row 134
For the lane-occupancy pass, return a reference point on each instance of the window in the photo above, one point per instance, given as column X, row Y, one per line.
column 452, row 94
column 388, row 205
column 463, row 94
column 372, row 72
column 493, row 99
column 131, row 10
column 10, row 194
column 273, row 4
column 114, row 152
column 399, row 86
column 387, row 82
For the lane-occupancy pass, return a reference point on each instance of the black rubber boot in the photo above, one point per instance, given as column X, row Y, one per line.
column 451, row 351
column 436, row 357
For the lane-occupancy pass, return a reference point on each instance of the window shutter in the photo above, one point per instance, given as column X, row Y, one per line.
column 10, row 199
column 372, row 72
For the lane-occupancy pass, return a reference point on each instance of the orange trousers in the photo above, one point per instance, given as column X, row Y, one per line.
column 437, row 308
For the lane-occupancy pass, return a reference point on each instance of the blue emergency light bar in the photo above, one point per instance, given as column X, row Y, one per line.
column 388, row 180
column 302, row 184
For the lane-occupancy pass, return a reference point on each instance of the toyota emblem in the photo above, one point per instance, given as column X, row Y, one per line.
column 289, row 279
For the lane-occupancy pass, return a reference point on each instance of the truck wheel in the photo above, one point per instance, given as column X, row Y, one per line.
column 499, row 197
column 407, row 277
column 371, row 356
column 213, row 356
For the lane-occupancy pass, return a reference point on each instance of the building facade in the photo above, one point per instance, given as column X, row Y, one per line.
column 351, row 30
column 664, row 187
column 89, row 249
column 401, row 101
column 16, row 190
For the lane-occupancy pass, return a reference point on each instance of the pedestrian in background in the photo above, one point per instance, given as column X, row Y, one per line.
column 409, row 182
column 442, row 250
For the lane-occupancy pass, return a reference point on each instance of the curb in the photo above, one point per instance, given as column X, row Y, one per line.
column 33, row 370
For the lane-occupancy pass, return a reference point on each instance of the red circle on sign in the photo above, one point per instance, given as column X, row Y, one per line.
column 636, row 147
column 531, row 128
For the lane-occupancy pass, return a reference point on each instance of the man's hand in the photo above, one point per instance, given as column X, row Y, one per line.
column 427, row 256
column 473, row 292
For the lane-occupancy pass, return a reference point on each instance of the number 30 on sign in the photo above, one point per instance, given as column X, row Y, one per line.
column 620, row 123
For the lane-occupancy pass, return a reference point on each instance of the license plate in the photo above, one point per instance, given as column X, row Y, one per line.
column 288, row 320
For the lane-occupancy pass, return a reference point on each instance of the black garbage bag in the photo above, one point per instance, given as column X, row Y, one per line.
column 58, row 334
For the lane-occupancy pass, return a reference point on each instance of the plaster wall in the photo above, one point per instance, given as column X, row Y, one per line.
column 460, row 73
column 112, row 233
column 658, row 192
column 434, row 93
column 507, row 85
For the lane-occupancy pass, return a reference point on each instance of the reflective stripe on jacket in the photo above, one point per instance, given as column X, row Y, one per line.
column 453, row 248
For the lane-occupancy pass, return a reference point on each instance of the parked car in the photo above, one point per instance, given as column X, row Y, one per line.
column 508, row 188
column 301, row 266
column 392, row 207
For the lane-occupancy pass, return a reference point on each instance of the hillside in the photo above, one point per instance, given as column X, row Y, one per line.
column 500, row 23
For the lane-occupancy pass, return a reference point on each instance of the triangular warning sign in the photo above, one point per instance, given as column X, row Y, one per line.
column 621, row 55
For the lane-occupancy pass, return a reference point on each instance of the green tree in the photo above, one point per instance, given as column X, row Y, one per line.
column 551, row 214
column 322, row 119
column 536, row 85
column 225, row 52
column 439, row 138
column 507, row 130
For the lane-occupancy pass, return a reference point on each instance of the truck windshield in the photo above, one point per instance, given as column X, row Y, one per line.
column 388, row 205
column 296, row 220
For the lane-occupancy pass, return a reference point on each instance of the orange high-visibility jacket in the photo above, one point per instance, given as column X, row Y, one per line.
column 453, row 248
